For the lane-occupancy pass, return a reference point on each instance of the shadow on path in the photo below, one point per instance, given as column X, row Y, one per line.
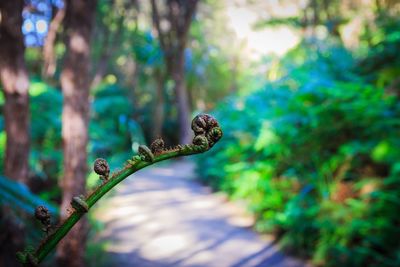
column 161, row 217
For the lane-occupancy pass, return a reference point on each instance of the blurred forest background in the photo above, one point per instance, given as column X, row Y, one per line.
column 306, row 91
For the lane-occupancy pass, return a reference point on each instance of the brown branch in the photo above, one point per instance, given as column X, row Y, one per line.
column 112, row 39
column 49, row 57
column 191, row 6
column 156, row 22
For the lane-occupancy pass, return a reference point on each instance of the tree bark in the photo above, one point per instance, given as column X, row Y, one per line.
column 173, row 41
column 15, row 81
column 159, row 107
column 75, row 118
column 101, row 65
column 49, row 56
column 182, row 100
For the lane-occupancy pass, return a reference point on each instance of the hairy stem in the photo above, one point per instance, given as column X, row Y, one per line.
column 207, row 133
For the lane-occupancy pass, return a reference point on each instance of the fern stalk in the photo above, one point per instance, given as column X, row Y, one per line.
column 207, row 133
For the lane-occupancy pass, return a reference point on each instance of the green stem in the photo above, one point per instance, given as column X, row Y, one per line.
column 207, row 133
column 51, row 241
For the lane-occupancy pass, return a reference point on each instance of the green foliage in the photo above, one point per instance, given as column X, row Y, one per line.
column 315, row 154
column 18, row 196
column 46, row 145
column 382, row 63
column 18, row 203
column 112, row 132
column 112, row 129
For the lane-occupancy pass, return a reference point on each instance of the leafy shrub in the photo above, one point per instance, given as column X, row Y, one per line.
column 315, row 154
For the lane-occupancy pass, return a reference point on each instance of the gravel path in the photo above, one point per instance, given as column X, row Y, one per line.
column 162, row 217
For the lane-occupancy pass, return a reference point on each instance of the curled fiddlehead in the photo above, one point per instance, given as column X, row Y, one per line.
column 146, row 153
column 102, row 168
column 202, row 124
column 157, row 147
column 201, row 142
column 214, row 135
column 207, row 126
column 43, row 215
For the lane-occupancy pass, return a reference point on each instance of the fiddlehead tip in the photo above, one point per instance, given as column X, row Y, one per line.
column 102, row 168
column 214, row 135
column 201, row 142
column 43, row 215
column 146, row 153
column 202, row 123
column 207, row 126
column 157, row 147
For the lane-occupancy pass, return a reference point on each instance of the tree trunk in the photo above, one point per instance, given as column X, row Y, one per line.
column 75, row 118
column 15, row 80
column 49, row 55
column 101, row 65
column 159, row 107
column 132, row 72
column 182, row 100
column 100, row 70
column 112, row 40
column 173, row 43
column 15, row 83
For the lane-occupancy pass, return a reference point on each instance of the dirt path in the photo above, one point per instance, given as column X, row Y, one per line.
column 161, row 217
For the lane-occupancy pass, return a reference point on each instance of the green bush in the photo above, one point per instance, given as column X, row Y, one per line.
column 315, row 154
